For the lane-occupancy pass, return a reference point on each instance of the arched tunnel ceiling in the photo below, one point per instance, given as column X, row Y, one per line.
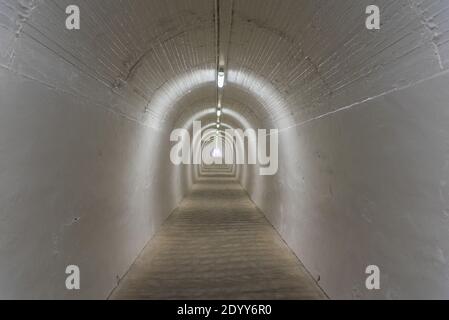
column 205, row 98
column 297, row 59
column 75, row 151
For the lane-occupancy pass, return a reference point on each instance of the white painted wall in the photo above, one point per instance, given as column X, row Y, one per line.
column 369, row 185
column 84, row 179
column 79, row 184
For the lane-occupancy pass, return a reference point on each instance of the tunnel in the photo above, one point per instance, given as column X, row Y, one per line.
column 98, row 99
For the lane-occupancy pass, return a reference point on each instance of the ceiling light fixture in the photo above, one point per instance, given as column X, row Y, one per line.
column 221, row 78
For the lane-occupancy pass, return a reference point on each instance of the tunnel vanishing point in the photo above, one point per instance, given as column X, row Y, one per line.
column 92, row 205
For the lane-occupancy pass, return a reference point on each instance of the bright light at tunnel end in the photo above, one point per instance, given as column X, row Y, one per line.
column 216, row 153
column 236, row 146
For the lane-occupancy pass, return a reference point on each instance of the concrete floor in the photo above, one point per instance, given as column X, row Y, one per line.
column 217, row 245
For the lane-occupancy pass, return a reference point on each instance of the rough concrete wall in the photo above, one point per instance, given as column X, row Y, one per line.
column 79, row 185
column 367, row 120
column 82, row 181
column 320, row 57
column 124, row 52
column 370, row 186
column 364, row 180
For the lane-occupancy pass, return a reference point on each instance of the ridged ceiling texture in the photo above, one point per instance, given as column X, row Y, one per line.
column 286, row 61
column 351, row 188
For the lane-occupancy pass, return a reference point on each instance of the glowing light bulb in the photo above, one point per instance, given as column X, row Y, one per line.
column 221, row 78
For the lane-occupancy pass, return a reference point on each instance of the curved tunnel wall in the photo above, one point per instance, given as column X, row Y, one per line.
column 85, row 118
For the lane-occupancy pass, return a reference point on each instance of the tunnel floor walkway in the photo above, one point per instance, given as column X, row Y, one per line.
column 217, row 245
